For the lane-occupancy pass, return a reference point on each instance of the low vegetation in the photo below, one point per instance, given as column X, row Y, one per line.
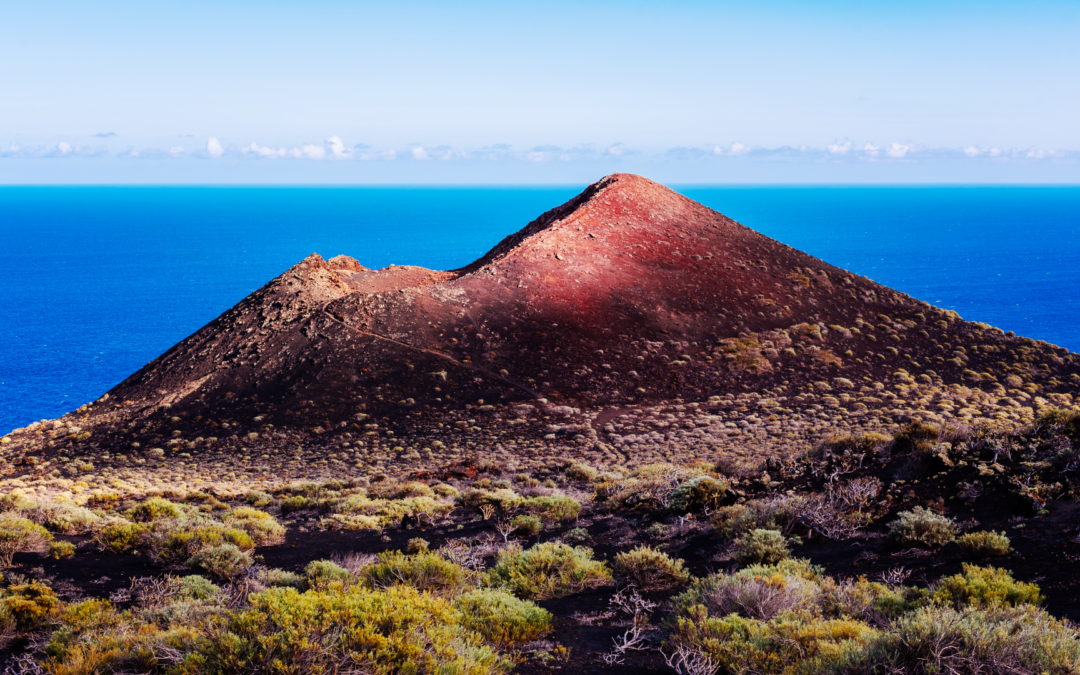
column 707, row 566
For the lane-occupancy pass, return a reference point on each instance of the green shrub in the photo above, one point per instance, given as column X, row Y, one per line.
column 195, row 587
column 13, row 502
column 985, row 544
column 417, row 545
column 352, row 522
column 580, row 472
column 414, row 489
column 322, row 573
column 526, row 526
column 648, row 568
column 759, row 592
column 556, row 508
column 444, row 490
column 774, row 513
column 789, row 644
column 153, row 509
column 122, row 537
column 697, row 494
column 183, row 542
column 980, row 586
column 63, row 517
column 20, row 535
column 386, row 632
column 994, row 640
column 61, row 549
column 276, row 577
column 425, row 571
column 295, row 503
column 548, row 570
column 766, row 547
column 916, row 438
column 576, row 535
column 922, row 527
column 262, row 527
column 258, row 499
column 224, row 561
column 31, row 605
column 501, row 618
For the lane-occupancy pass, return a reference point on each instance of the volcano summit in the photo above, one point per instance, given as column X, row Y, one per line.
column 629, row 325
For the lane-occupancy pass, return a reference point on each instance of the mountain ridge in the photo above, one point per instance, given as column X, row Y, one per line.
column 581, row 334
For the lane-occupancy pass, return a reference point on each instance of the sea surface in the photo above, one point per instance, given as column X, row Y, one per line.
column 97, row 281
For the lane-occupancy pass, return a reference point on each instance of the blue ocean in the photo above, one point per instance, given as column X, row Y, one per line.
column 96, row 281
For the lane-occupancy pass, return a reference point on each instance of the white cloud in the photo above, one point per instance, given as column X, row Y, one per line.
column 177, row 151
column 839, row 149
column 309, row 151
column 337, row 148
column 871, row 149
column 263, row 151
column 972, row 151
column 214, row 149
column 63, row 147
column 898, row 150
column 735, row 150
column 418, row 153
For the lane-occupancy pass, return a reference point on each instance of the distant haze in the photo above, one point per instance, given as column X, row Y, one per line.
column 413, row 92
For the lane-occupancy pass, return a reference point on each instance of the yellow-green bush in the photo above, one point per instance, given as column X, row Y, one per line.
column 581, row 472
column 262, row 527
column 296, row 503
column 95, row 639
column 789, row 644
column 766, row 547
column 346, row 521
column 501, row 618
column 698, row 493
column 387, row 512
column 526, row 526
column 414, row 489
column 224, row 561
column 554, row 508
column 258, row 499
column 122, row 537
column 389, row 631
column 998, row 639
column 322, row 573
column 985, row 586
column 922, row 527
column 20, row 535
column 184, row 541
column 152, row 509
column 759, row 592
column 417, row 545
column 62, row 517
column 444, row 490
column 31, row 605
column 424, row 571
column 60, row 549
column 648, row 568
column 548, row 570
column 985, row 544
column 779, row 513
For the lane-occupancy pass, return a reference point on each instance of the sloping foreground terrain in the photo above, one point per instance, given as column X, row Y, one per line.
column 634, row 437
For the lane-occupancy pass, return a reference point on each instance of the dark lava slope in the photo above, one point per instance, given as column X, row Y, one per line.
column 629, row 292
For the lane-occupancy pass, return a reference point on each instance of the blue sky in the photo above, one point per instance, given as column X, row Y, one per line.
column 413, row 92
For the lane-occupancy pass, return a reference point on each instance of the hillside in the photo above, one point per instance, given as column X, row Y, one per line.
column 630, row 324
